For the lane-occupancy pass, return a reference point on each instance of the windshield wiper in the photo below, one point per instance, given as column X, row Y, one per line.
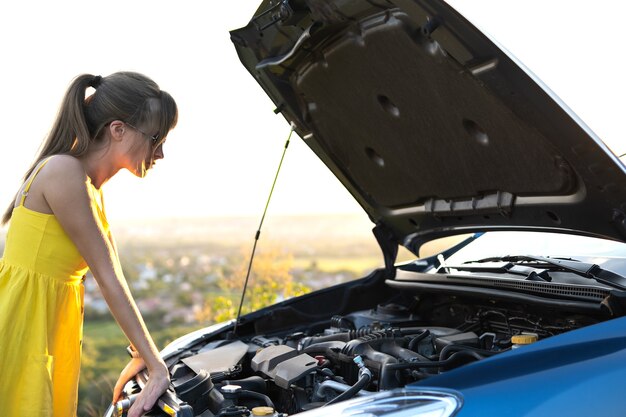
column 587, row 270
column 530, row 273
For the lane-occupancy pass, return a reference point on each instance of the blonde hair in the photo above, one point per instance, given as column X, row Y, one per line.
column 127, row 96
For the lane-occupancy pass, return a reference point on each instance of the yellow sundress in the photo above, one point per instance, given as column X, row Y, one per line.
column 41, row 313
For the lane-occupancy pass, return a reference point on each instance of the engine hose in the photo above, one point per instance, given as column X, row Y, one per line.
column 340, row 322
column 370, row 337
column 392, row 348
column 434, row 364
column 360, row 332
column 334, row 386
column 252, row 383
column 324, row 347
column 364, row 333
column 313, row 340
column 443, row 355
column 413, row 343
column 234, row 411
column 419, row 374
column 362, row 382
column 257, row 396
column 351, row 346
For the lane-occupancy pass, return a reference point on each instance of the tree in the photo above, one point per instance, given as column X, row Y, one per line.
column 270, row 281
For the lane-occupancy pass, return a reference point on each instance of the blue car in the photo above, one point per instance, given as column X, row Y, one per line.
column 514, row 209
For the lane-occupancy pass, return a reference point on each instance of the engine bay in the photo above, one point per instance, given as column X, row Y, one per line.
column 388, row 346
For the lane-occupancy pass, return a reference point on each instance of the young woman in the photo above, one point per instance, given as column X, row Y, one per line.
column 58, row 229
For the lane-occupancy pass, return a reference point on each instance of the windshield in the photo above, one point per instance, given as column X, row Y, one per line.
column 606, row 253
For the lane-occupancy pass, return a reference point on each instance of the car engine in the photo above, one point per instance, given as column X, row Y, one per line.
column 357, row 354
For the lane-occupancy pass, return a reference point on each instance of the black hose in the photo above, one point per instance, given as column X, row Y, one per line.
column 397, row 351
column 233, row 411
column 364, row 334
column 340, row 322
column 419, row 374
column 324, row 347
column 418, row 339
column 352, row 347
column 443, row 355
column 251, row 383
column 434, row 364
column 364, row 379
column 257, row 396
column 316, row 340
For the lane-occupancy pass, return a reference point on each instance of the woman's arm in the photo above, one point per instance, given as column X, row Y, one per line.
column 66, row 191
column 135, row 365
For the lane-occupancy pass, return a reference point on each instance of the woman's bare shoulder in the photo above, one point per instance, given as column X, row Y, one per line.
column 61, row 174
column 64, row 163
column 63, row 167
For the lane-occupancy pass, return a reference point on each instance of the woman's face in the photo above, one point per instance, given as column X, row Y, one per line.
column 145, row 149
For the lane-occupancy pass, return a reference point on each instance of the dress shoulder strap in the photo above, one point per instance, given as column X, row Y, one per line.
column 32, row 177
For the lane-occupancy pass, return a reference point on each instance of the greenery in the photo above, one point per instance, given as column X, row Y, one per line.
column 270, row 280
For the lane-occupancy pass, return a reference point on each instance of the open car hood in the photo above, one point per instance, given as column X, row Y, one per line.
column 433, row 128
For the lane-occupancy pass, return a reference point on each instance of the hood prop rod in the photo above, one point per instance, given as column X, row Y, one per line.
column 258, row 232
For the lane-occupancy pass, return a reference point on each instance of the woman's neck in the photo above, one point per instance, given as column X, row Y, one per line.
column 99, row 166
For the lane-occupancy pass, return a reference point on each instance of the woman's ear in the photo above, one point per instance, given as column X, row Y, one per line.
column 117, row 129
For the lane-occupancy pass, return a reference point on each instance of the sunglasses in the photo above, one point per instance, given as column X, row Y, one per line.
column 153, row 138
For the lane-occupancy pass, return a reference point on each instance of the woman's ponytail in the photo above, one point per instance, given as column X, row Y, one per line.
column 69, row 134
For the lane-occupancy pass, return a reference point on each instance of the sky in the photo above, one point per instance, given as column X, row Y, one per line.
column 222, row 157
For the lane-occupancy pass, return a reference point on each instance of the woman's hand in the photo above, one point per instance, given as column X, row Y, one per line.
column 158, row 383
column 130, row 370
